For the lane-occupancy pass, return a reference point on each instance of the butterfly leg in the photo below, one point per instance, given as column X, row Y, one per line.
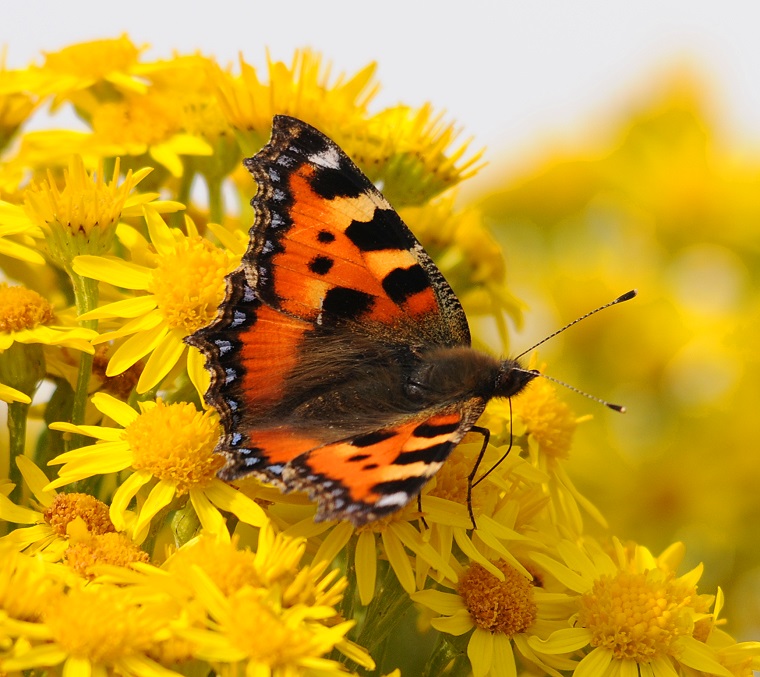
column 470, row 484
column 419, row 509
column 482, row 451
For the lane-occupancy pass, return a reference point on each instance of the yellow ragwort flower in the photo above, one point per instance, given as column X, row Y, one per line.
column 502, row 613
column 170, row 450
column 184, row 282
column 253, row 630
column 97, row 629
column 81, row 217
column 634, row 613
column 53, row 517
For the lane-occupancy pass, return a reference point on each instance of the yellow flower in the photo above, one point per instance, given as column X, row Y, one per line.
column 26, row 324
column 93, row 65
column 92, row 630
column 545, row 425
column 26, row 586
column 503, row 613
column 253, row 629
column 82, row 217
column 53, row 516
column 634, row 613
column 185, row 285
column 302, row 89
column 26, row 317
column 170, row 450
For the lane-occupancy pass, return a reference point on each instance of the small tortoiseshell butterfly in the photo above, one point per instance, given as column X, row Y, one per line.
column 340, row 359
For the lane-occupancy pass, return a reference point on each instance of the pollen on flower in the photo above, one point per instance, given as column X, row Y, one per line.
column 65, row 508
column 22, row 308
column 100, row 623
column 189, row 284
column 175, row 442
column 505, row 606
column 112, row 548
column 548, row 420
column 638, row 616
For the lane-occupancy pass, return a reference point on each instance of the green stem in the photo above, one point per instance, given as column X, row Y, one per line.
column 215, row 202
column 17, row 414
column 385, row 611
column 177, row 219
column 86, row 298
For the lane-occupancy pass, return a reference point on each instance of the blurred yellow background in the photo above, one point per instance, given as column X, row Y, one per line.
column 652, row 200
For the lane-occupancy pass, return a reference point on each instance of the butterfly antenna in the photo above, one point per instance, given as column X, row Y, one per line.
column 615, row 407
column 624, row 297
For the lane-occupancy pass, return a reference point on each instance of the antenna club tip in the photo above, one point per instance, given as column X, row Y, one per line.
column 626, row 297
column 616, row 407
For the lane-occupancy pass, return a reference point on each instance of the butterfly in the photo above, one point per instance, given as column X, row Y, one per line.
column 340, row 359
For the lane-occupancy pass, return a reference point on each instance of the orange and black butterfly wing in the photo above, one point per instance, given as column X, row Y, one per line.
column 369, row 476
column 328, row 259
column 327, row 248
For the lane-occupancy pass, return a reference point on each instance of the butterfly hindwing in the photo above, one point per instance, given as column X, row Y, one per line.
column 367, row 476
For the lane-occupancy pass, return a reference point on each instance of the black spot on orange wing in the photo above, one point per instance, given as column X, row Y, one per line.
column 348, row 304
column 331, row 183
column 402, row 283
column 325, row 237
column 384, row 231
column 321, row 265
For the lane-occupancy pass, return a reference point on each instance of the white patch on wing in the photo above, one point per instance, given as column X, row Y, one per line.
column 327, row 158
column 399, row 498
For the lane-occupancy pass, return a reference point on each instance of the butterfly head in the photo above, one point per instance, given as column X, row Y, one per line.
column 512, row 378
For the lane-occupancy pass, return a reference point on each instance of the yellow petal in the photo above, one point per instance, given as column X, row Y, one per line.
column 503, row 662
column 334, row 542
column 134, row 307
column 135, row 348
column 10, row 512
column 166, row 354
column 439, row 601
column 366, row 566
column 118, row 411
column 161, row 236
column 398, row 559
column 138, row 324
column 480, row 652
column 113, row 270
column 210, row 518
column 561, row 641
column 159, row 497
column 457, row 624
column 230, row 499
column 123, row 497
column 36, row 480
column 596, row 663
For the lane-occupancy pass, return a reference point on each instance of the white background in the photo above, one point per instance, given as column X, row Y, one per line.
column 509, row 73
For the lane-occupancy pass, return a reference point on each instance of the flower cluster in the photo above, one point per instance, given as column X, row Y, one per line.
column 122, row 552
